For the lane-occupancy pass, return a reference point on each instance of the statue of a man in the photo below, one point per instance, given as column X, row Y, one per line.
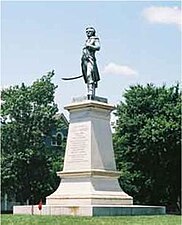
column 88, row 62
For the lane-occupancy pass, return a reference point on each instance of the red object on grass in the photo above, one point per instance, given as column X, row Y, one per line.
column 40, row 205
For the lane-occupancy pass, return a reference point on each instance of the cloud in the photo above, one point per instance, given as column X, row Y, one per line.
column 116, row 69
column 164, row 15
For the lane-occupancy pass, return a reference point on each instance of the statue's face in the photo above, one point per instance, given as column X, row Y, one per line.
column 89, row 33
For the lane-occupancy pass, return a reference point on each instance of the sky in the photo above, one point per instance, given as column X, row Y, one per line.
column 140, row 44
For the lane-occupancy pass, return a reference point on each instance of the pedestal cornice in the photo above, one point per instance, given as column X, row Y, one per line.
column 89, row 173
column 89, row 104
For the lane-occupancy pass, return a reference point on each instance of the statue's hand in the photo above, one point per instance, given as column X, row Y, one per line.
column 88, row 47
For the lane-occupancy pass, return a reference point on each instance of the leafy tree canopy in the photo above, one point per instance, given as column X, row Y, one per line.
column 27, row 165
column 147, row 144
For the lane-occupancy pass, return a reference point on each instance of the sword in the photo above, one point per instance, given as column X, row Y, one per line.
column 71, row 78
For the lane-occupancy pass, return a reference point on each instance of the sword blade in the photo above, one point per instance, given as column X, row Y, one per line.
column 71, row 78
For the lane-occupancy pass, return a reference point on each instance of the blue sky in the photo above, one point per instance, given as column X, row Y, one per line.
column 140, row 43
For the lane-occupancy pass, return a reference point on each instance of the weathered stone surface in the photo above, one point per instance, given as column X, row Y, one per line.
column 87, row 210
column 89, row 176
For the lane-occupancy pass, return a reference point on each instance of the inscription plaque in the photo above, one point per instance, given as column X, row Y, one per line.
column 78, row 144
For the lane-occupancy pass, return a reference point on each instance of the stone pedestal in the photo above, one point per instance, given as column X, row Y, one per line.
column 89, row 176
column 89, row 180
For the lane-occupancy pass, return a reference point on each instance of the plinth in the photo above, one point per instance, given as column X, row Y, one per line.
column 89, row 175
column 89, row 181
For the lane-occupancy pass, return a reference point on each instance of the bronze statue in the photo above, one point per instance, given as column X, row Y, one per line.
column 88, row 61
column 89, row 68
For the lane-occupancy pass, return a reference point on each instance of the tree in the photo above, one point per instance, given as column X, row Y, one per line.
column 27, row 165
column 147, row 144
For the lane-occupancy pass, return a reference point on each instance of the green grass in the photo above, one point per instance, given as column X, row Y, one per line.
column 68, row 220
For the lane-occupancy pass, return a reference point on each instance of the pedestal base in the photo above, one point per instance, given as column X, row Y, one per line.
column 102, row 210
column 92, row 187
column 89, row 175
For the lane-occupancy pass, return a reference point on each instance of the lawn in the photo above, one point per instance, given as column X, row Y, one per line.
column 67, row 220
